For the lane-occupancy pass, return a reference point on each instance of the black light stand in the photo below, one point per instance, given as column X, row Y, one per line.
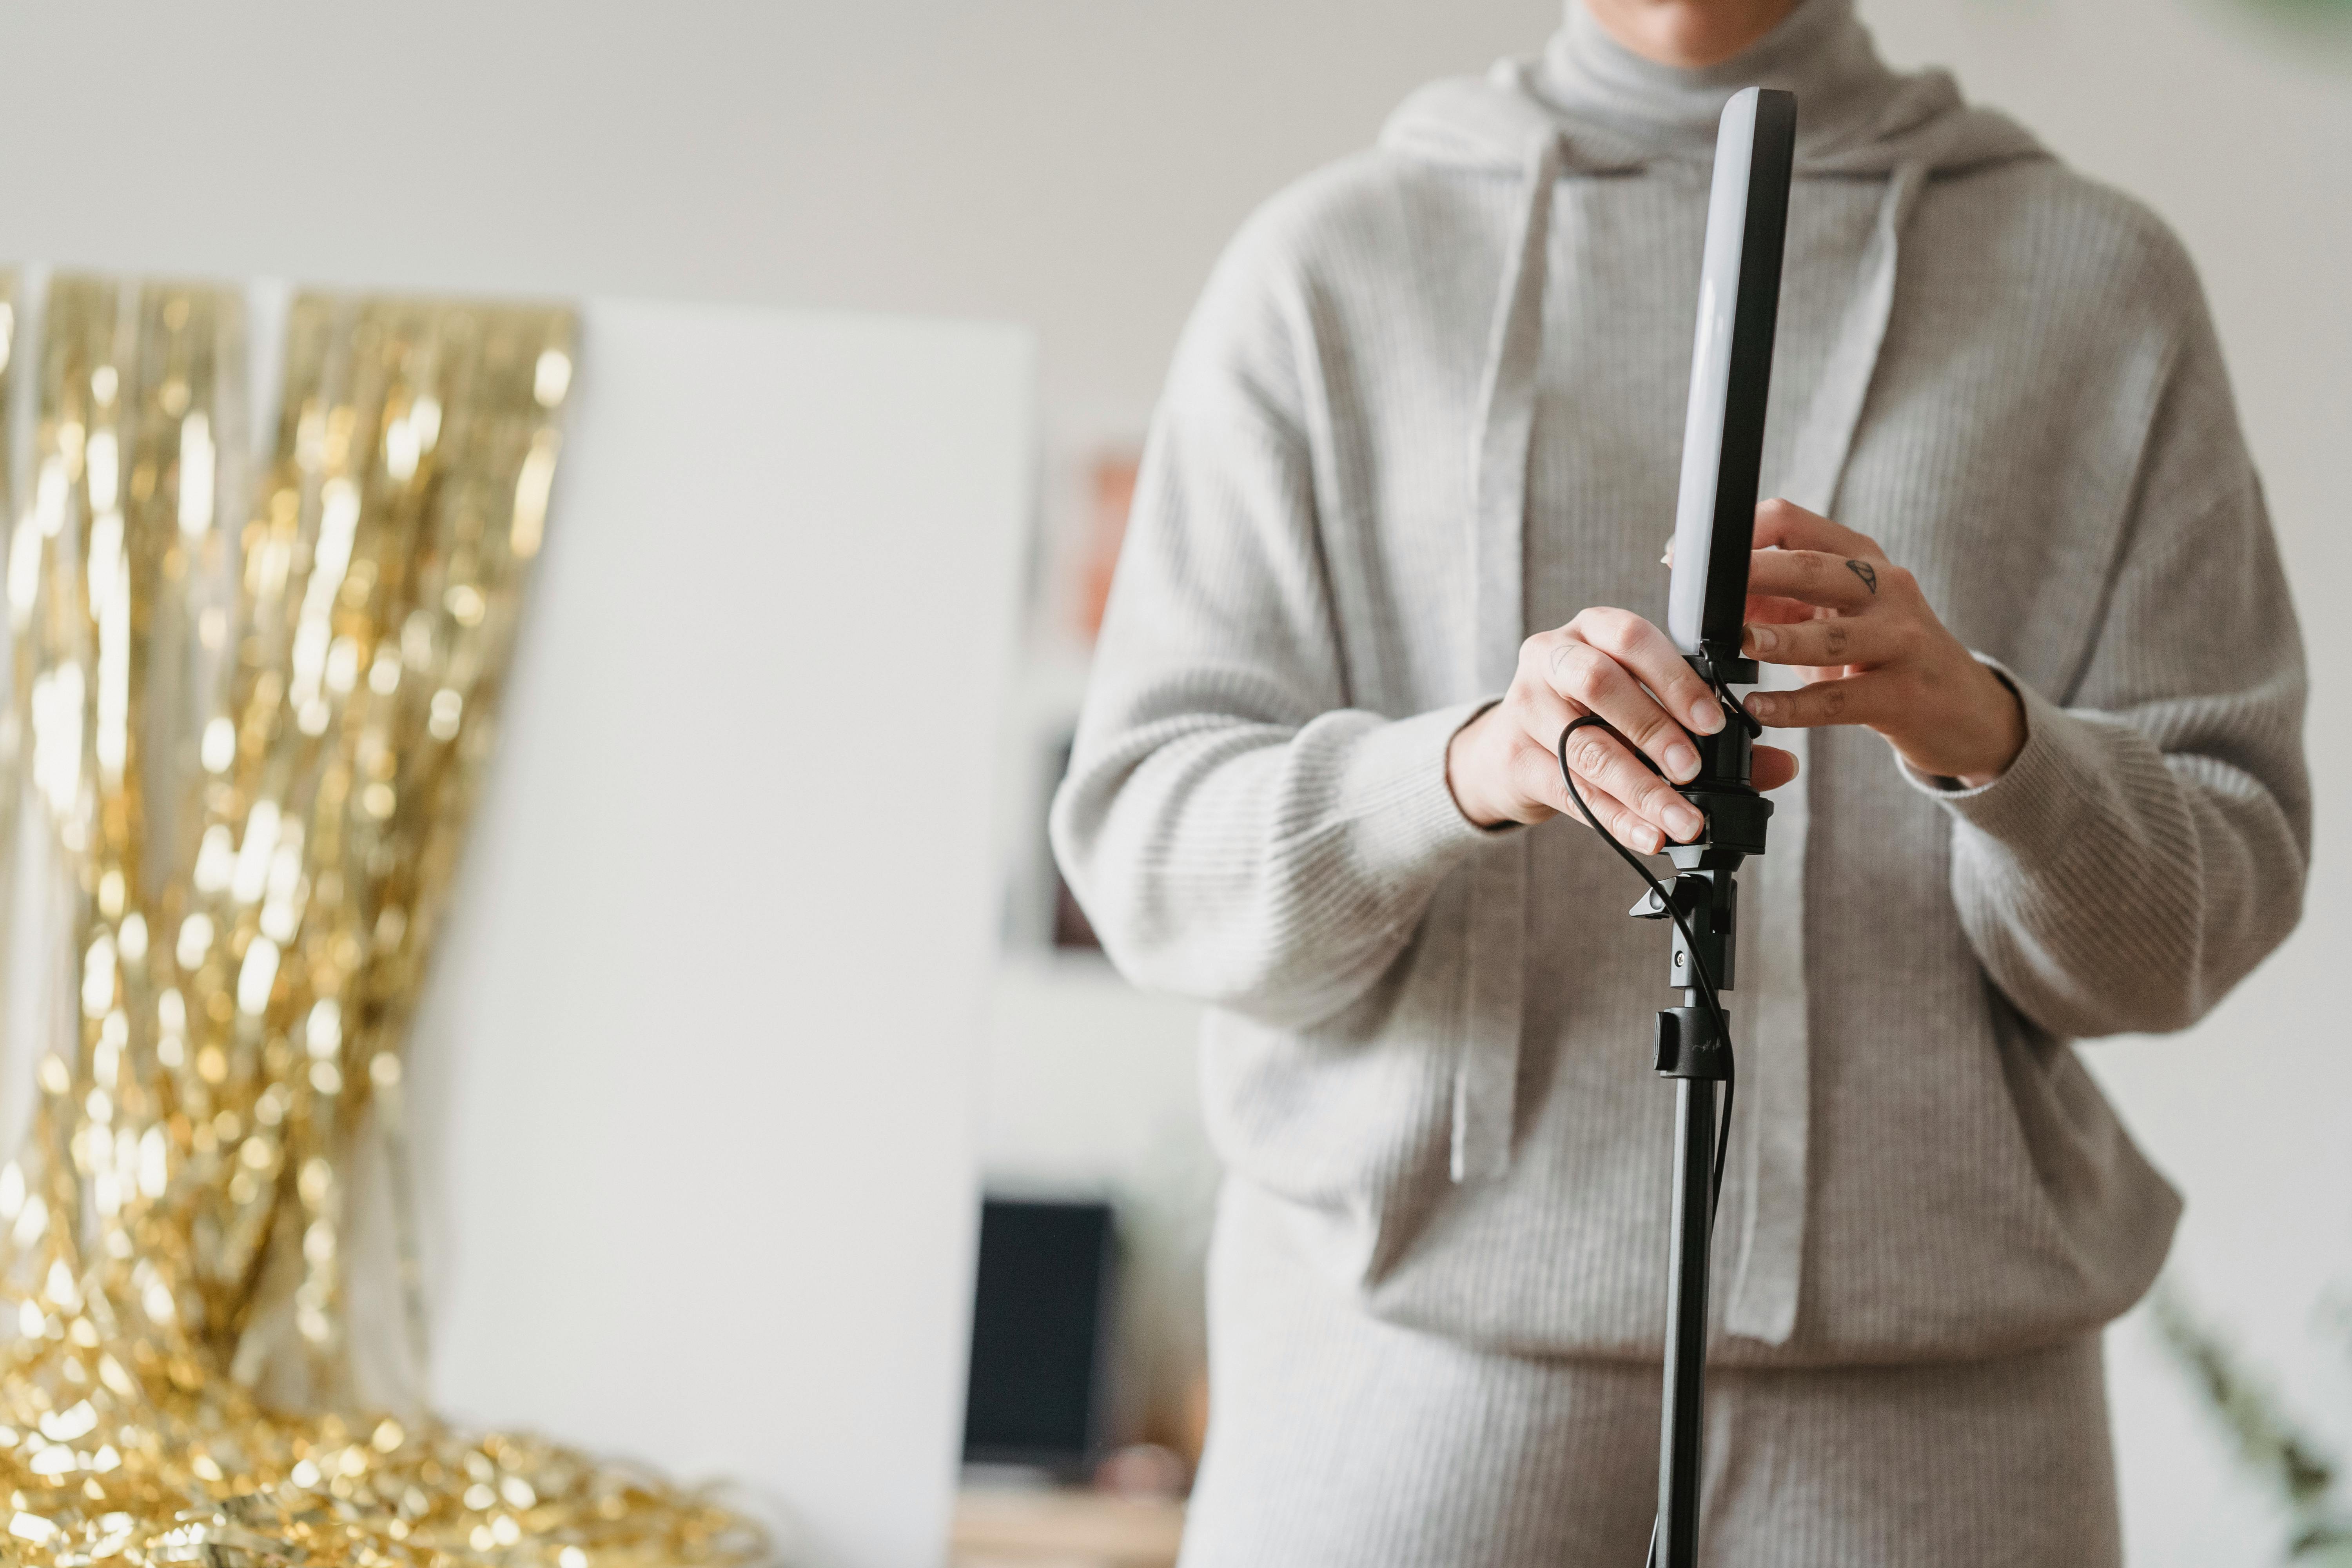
column 1692, row 1051
column 1714, row 525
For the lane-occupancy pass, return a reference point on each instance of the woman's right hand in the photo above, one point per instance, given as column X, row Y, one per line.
column 1504, row 765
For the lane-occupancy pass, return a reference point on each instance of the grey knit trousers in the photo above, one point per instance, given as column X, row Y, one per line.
column 1337, row 1439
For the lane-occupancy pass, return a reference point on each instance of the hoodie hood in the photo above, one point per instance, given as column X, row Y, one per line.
column 1608, row 110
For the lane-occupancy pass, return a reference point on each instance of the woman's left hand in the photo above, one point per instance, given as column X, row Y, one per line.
column 1824, row 596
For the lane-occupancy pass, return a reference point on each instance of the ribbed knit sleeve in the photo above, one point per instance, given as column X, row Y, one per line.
column 2148, row 846
column 1234, row 828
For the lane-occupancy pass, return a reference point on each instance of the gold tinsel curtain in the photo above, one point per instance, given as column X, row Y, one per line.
column 246, row 725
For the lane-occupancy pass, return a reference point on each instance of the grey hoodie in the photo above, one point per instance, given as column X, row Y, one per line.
column 1431, row 402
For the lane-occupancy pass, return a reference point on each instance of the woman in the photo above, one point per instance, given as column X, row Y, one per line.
column 2051, row 788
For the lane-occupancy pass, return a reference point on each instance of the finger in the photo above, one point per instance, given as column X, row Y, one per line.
column 1623, row 823
column 1765, row 610
column 1640, row 646
column 1836, row 640
column 1773, row 768
column 1546, row 714
column 1537, row 776
column 1784, row 525
column 1817, row 577
column 1592, row 680
column 1593, row 753
column 1852, row 699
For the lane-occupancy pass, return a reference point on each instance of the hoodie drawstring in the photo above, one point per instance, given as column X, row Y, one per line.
column 1771, row 1018
column 1827, row 438
column 1486, row 1075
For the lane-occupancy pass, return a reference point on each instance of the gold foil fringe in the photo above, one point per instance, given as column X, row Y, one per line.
column 242, row 746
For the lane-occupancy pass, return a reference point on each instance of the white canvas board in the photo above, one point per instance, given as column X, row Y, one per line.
column 696, row 1068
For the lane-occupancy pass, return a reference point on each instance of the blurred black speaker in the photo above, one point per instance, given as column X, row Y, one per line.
column 1041, row 1330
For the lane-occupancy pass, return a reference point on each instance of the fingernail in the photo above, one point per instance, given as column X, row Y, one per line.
column 1767, row 639
column 1651, row 841
column 1706, row 718
column 1763, row 707
column 1681, row 761
column 1684, row 821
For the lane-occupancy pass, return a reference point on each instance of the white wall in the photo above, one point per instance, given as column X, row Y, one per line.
column 697, row 1065
column 1072, row 164
column 1075, row 164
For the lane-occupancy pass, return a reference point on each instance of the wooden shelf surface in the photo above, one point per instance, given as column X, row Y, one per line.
column 1053, row 1529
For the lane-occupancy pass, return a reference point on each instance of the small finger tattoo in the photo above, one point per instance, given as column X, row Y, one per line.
column 1862, row 570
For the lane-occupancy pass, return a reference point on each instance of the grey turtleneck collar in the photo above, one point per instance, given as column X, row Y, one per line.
column 1609, row 108
column 1820, row 51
